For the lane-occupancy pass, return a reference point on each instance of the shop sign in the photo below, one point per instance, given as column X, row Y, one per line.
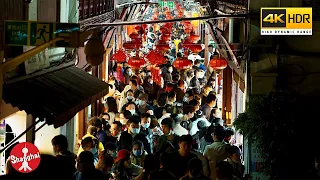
column 256, row 165
column 169, row 4
column 33, row 33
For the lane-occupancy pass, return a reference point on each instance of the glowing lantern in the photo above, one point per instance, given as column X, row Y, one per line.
column 136, row 62
column 155, row 58
column 196, row 48
column 132, row 45
column 165, row 37
column 119, row 56
column 135, row 35
column 187, row 30
column 162, row 47
column 218, row 63
column 182, row 63
column 164, row 30
column 194, row 38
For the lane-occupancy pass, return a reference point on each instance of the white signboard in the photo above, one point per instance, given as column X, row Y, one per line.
column 37, row 62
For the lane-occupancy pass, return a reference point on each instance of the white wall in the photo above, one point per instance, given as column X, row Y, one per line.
column 17, row 121
column 44, row 136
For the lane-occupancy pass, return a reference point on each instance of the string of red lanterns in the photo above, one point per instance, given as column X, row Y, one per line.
column 218, row 63
column 119, row 56
column 182, row 63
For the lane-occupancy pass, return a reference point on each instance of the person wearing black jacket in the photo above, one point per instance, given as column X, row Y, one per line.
column 133, row 134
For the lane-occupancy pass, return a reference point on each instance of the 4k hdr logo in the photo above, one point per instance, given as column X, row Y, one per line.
column 25, row 157
column 286, row 21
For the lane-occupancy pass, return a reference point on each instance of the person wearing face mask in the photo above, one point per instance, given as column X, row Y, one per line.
column 131, row 106
column 111, row 149
column 86, row 168
column 132, row 134
column 138, row 153
column 145, row 128
column 167, row 126
column 128, row 74
column 195, row 83
column 150, row 88
column 168, row 75
column 90, row 144
column 143, row 106
column 91, row 132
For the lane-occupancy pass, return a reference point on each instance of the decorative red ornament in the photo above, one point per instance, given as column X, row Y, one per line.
column 136, row 62
column 119, row 56
column 119, row 75
column 132, row 45
column 194, row 38
column 135, row 35
column 195, row 48
column 187, row 30
column 182, row 63
column 165, row 37
column 162, row 47
column 218, row 63
column 164, row 30
column 155, row 58
column 155, row 73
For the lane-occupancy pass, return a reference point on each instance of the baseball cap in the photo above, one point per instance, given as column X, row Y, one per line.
column 122, row 154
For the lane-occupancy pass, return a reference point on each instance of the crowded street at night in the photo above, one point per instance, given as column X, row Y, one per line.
column 159, row 89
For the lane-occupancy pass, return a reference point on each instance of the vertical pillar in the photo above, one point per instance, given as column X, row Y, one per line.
column 227, row 95
column 206, row 52
column 30, row 135
column 95, row 71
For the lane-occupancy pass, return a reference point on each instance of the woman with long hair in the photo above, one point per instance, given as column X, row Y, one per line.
column 105, row 163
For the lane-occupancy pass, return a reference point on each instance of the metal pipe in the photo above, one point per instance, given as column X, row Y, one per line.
column 171, row 20
column 18, row 137
column 40, row 127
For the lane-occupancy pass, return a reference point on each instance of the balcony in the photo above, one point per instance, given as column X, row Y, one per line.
column 95, row 11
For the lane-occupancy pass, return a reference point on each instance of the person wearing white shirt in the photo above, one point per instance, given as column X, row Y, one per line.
column 178, row 129
column 167, row 111
column 194, row 125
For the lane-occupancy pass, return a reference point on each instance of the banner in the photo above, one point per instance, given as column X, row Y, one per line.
column 37, row 62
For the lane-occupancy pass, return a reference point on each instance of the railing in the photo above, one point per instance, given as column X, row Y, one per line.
column 92, row 8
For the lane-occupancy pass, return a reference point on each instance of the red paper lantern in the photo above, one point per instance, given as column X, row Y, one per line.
column 165, row 37
column 155, row 58
column 194, row 38
column 182, row 63
column 136, row 62
column 196, row 48
column 162, row 47
column 187, row 30
column 119, row 56
column 132, row 45
column 218, row 63
column 164, row 30
column 135, row 35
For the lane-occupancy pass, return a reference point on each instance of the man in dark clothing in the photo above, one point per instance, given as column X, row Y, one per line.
column 142, row 102
column 178, row 89
column 134, row 87
column 180, row 159
column 210, row 103
column 65, row 158
column 86, row 169
column 167, row 125
column 195, row 82
column 115, row 131
column 163, row 172
column 133, row 134
column 161, row 102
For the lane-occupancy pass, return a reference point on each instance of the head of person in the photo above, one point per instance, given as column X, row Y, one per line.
column 131, row 107
column 190, row 74
column 167, row 125
column 105, row 116
column 134, row 125
column 122, row 160
column 210, row 48
column 128, row 71
column 105, row 162
column 85, row 160
column 185, row 144
column 133, row 84
column 234, row 154
column 89, row 144
column 130, row 96
column 170, row 68
column 149, row 73
column 211, row 100
column 229, row 134
column 149, row 80
column 195, row 167
column 124, row 117
column 189, row 111
column 162, row 100
column 188, row 96
column 137, row 148
column 111, row 105
column 199, row 73
column 96, row 122
column 197, row 63
column 142, row 99
column 172, row 96
column 195, row 104
column 316, row 162
column 218, row 133
column 167, row 109
column 92, row 130
column 115, row 129
column 206, row 90
column 151, row 163
column 59, row 144
column 224, row 170
column 175, row 78
column 111, row 149
column 145, row 120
